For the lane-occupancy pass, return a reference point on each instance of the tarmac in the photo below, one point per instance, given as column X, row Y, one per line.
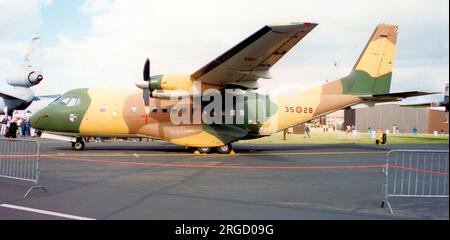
column 157, row 180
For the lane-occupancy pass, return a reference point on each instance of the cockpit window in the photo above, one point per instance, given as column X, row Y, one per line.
column 64, row 101
column 73, row 102
column 54, row 101
column 70, row 101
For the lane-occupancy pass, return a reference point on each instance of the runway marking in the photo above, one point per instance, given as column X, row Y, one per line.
column 44, row 212
column 209, row 155
column 203, row 166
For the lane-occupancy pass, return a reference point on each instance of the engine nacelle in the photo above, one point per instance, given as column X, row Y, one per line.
column 25, row 79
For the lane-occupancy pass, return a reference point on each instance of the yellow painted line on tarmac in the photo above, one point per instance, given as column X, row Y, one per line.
column 210, row 155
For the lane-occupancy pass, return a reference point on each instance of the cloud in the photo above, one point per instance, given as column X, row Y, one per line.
column 20, row 16
column 5, row 62
column 92, row 7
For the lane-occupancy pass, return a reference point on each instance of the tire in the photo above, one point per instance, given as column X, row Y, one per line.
column 204, row 150
column 225, row 149
column 78, row 145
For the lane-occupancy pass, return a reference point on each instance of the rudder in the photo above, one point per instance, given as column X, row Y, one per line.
column 372, row 72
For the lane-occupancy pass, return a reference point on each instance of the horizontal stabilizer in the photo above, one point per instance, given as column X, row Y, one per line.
column 395, row 96
column 419, row 105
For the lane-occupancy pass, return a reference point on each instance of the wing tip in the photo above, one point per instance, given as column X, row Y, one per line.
column 291, row 24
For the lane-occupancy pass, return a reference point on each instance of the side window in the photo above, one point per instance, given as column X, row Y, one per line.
column 154, row 110
column 102, row 108
column 116, row 110
column 164, row 109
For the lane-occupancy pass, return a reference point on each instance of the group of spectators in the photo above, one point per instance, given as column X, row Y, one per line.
column 13, row 127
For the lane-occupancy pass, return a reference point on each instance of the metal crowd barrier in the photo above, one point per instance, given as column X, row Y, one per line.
column 19, row 160
column 415, row 174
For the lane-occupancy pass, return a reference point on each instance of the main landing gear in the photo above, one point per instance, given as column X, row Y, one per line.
column 78, row 145
column 225, row 149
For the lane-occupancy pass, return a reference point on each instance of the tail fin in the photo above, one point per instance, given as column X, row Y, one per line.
column 30, row 60
column 372, row 72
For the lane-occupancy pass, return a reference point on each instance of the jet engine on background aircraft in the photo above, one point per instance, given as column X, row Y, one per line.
column 25, row 78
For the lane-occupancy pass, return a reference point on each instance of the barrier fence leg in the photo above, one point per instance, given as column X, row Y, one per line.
column 33, row 188
column 388, row 204
column 385, row 186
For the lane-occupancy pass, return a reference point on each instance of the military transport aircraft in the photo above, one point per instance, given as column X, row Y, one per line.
column 18, row 95
column 237, row 111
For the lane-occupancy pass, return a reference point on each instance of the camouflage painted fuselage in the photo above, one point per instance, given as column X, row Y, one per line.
column 121, row 113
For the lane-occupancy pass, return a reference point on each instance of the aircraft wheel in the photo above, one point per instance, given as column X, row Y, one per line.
column 78, row 145
column 225, row 149
column 204, row 150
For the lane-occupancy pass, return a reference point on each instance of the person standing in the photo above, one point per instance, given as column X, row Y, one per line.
column 12, row 131
column 307, row 131
column 3, row 121
column 27, row 127
column 19, row 127
column 22, row 126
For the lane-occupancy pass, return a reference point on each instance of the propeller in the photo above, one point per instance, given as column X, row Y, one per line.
column 147, row 92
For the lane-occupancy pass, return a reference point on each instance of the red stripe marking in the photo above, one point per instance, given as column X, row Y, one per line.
column 218, row 167
column 230, row 167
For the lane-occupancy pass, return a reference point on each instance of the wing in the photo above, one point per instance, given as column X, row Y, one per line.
column 39, row 98
column 18, row 93
column 252, row 58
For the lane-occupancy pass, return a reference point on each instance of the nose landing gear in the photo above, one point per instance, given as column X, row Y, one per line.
column 78, row 145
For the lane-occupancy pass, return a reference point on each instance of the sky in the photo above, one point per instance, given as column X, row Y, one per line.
column 104, row 43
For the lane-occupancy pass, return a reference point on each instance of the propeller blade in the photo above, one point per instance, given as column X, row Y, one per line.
column 147, row 70
column 146, row 96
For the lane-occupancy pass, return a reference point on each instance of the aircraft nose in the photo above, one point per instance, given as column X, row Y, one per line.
column 39, row 120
